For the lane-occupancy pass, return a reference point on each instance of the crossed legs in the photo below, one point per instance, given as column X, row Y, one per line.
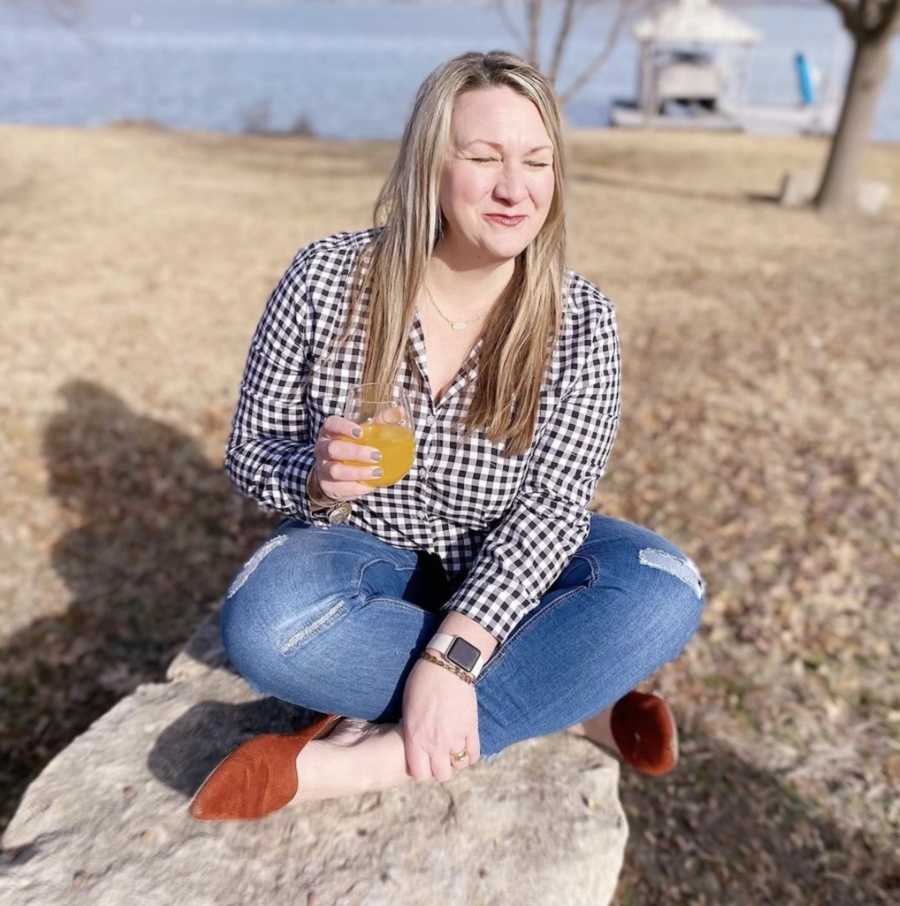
column 333, row 619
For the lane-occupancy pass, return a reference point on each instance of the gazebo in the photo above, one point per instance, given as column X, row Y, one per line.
column 693, row 53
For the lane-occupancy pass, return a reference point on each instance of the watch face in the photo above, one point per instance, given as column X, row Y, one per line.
column 463, row 653
column 340, row 513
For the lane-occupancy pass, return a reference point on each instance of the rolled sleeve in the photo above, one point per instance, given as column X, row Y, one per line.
column 270, row 452
column 549, row 519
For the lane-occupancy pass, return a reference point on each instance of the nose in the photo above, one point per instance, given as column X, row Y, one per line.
column 510, row 184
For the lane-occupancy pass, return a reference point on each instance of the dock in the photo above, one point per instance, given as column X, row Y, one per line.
column 758, row 119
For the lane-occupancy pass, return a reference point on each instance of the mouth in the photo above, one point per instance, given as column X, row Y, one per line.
column 504, row 220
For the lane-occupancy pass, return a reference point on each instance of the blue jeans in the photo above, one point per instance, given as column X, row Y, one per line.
column 333, row 619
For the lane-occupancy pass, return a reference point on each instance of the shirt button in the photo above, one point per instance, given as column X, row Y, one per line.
column 430, row 420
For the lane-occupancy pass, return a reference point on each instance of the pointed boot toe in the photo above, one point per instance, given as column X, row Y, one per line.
column 644, row 729
column 258, row 777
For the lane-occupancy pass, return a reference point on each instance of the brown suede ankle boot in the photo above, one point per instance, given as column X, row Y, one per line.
column 644, row 729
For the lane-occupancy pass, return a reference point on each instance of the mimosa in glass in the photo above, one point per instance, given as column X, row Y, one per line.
column 383, row 413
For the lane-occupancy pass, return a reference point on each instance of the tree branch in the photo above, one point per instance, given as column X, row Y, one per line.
column 888, row 19
column 535, row 7
column 623, row 13
column 850, row 13
column 565, row 27
column 500, row 6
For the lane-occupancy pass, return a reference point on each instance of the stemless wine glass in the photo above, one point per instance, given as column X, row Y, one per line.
column 383, row 412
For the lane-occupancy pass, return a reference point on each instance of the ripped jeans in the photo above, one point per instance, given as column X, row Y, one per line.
column 333, row 619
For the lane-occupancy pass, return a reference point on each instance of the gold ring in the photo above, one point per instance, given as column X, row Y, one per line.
column 458, row 756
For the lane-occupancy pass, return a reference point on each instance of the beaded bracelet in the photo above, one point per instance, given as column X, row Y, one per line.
column 462, row 674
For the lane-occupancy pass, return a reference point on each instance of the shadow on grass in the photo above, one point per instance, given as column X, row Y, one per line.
column 675, row 191
column 717, row 830
column 161, row 533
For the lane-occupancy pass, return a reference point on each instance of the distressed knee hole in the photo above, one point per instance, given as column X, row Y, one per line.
column 685, row 569
column 334, row 608
column 250, row 566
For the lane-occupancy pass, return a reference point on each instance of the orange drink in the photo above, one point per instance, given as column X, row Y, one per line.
column 384, row 414
column 398, row 450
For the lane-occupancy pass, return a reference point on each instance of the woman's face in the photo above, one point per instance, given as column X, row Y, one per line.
column 512, row 176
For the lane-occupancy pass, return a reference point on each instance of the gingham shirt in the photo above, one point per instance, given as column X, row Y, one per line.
column 503, row 527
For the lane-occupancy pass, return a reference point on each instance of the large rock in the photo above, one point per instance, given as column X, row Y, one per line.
column 106, row 822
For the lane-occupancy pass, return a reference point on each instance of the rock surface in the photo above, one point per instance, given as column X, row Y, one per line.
column 106, row 822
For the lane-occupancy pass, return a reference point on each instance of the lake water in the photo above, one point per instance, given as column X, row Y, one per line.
column 351, row 69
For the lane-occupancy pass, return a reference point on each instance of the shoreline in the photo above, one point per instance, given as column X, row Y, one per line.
column 151, row 125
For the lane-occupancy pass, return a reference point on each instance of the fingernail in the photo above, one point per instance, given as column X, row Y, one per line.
column 357, row 432
column 377, row 472
column 376, row 454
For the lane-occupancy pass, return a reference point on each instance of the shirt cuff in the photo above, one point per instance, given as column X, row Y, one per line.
column 288, row 486
column 496, row 604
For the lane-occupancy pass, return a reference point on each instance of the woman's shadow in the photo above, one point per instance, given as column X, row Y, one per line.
column 157, row 532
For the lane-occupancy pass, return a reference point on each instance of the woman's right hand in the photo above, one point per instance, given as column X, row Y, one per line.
column 338, row 480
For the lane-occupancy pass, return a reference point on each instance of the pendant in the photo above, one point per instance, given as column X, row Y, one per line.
column 458, row 325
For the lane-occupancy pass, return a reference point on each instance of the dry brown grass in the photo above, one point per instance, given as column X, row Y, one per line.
column 760, row 432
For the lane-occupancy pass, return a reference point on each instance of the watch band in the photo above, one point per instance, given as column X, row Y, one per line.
column 458, row 650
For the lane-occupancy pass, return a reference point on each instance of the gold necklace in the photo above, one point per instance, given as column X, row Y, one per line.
column 456, row 325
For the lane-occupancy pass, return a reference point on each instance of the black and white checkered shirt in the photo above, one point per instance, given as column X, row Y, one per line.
column 503, row 527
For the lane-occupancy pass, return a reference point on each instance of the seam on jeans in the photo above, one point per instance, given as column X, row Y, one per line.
column 520, row 627
column 399, row 603
column 592, row 563
column 362, row 571
column 361, row 538
column 363, row 557
column 317, row 625
column 341, row 599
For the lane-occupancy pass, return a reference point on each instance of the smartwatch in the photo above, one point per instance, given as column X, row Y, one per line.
column 457, row 650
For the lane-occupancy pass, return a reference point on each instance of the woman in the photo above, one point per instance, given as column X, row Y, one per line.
column 478, row 601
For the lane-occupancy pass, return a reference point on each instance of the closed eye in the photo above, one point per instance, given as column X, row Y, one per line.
column 487, row 160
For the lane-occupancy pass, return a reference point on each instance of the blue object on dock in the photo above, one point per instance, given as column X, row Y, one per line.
column 806, row 88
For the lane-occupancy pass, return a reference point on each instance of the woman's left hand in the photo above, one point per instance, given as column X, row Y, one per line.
column 440, row 716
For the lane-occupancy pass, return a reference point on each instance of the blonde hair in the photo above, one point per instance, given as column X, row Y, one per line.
column 521, row 329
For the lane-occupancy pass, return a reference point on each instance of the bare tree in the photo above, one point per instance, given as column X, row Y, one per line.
column 623, row 12
column 872, row 24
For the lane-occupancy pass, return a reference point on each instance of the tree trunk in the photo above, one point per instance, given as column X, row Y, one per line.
column 840, row 182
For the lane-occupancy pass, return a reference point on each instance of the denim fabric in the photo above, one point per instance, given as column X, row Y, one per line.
column 333, row 619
